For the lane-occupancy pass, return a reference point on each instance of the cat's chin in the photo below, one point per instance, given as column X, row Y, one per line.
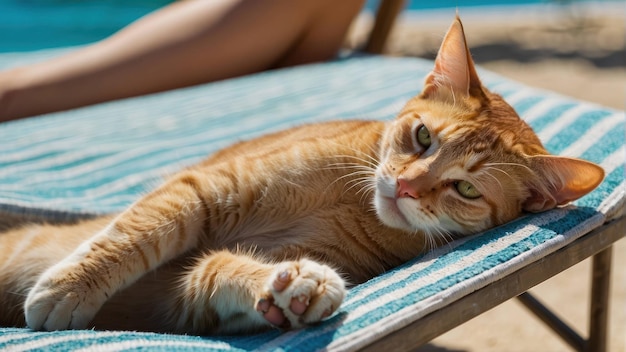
column 390, row 214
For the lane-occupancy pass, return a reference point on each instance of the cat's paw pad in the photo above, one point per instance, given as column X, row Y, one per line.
column 60, row 301
column 300, row 293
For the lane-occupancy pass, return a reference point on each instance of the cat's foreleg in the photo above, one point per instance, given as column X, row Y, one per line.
column 159, row 227
column 235, row 293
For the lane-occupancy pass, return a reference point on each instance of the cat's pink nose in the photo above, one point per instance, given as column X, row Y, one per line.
column 404, row 189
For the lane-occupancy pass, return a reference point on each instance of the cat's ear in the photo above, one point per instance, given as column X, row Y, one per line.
column 561, row 180
column 454, row 70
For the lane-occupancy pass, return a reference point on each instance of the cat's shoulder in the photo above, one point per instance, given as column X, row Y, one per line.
column 306, row 133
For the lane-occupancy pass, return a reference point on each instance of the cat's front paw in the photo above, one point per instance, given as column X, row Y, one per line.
column 62, row 300
column 301, row 292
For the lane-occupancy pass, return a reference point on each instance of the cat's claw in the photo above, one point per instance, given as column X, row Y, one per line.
column 59, row 305
column 304, row 291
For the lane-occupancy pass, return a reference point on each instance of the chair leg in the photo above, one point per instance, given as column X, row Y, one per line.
column 599, row 307
column 598, row 313
column 385, row 18
column 569, row 335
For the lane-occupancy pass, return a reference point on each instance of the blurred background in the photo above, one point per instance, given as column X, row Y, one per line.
column 535, row 41
column 571, row 46
column 575, row 48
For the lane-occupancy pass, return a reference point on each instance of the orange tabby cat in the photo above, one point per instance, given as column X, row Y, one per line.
column 265, row 232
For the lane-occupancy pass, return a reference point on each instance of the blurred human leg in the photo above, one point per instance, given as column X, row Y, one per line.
column 186, row 43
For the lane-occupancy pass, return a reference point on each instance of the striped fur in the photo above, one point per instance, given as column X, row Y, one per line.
column 203, row 251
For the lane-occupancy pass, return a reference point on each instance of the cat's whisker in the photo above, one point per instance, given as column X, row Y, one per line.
column 435, row 236
column 341, row 178
column 500, row 170
column 362, row 156
column 350, row 166
column 446, row 235
column 293, row 183
column 366, row 174
column 496, row 179
column 344, row 166
column 434, row 233
column 432, row 243
column 427, row 234
column 367, row 193
column 426, row 237
column 369, row 173
column 510, row 164
column 373, row 158
column 375, row 152
column 368, row 187
column 366, row 190
column 371, row 162
column 356, row 182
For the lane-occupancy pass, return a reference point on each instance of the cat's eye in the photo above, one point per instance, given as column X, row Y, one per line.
column 467, row 190
column 423, row 137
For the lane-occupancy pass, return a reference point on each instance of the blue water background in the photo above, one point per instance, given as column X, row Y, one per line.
column 38, row 24
column 416, row 5
column 441, row 4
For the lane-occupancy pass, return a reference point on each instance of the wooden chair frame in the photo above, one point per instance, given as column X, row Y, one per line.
column 597, row 244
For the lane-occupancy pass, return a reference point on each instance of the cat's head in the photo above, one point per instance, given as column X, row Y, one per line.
column 458, row 159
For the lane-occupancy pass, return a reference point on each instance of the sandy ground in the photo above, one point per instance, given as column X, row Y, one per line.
column 579, row 52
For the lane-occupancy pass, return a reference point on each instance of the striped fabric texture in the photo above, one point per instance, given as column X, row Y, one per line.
column 100, row 159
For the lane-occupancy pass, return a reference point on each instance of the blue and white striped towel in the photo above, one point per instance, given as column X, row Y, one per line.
column 100, row 159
